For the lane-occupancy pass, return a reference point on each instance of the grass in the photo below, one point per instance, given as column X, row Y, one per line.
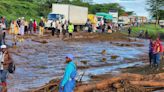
column 153, row 30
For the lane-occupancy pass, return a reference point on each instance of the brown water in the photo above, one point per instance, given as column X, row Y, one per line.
column 38, row 63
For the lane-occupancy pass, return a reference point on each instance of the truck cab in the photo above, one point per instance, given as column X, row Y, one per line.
column 53, row 17
column 100, row 20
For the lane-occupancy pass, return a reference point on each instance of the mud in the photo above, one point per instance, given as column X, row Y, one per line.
column 40, row 60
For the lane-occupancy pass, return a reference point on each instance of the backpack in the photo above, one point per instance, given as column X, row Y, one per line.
column 11, row 68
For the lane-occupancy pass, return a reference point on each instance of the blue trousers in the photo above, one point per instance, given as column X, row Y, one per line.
column 69, row 86
column 157, row 58
column 3, row 77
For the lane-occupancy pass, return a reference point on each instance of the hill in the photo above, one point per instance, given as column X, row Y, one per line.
column 13, row 9
column 34, row 9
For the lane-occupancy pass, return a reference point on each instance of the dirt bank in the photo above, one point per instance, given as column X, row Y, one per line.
column 140, row 79
column 91, row 37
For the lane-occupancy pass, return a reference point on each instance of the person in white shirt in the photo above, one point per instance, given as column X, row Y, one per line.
column 3, row 26
column 53, row 27
column 6, row 66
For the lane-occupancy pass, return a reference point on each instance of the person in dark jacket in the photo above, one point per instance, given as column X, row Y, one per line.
column 129, row 31
column 151, row 52
column 30, row 26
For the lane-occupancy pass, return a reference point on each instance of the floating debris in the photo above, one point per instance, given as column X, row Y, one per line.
column 114, row 57
column 84, row 62
column 103, row 60
column 103, row 52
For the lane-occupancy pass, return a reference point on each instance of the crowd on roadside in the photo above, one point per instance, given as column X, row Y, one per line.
column 106, row 27
column 22, row 26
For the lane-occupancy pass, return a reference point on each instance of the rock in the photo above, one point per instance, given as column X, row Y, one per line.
column 103, row 60
column 120, row 90
column 117, row 85
column 40, row 41
column 84, row 62
column 103, row 52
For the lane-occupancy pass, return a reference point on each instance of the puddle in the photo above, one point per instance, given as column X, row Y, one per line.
column 106, row 69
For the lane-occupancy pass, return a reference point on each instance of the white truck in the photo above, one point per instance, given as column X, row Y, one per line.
column 76, row 15
column 161, row 23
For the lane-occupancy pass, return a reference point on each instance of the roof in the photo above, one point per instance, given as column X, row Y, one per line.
column 125, row 14
column 105, row 15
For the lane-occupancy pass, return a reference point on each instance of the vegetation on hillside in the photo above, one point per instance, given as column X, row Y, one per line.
column 13, row 9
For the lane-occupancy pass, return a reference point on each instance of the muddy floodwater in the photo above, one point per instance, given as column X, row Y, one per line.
column 38, row 63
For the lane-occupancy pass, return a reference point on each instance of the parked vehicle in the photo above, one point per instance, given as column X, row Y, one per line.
column 161, row 23
column 76, row 15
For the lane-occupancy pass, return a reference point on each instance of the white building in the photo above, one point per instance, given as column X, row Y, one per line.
column 141, row 19
column 124, row 20
column 114, row 13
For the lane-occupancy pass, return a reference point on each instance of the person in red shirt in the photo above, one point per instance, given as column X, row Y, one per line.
column 157, row 49
column 34, row 26
column 163, row 54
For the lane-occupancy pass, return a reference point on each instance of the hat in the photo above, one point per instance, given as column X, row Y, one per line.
column 70, row 56
column 3, row 46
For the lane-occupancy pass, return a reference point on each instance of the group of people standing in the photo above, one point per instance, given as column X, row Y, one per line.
column 22, row 26
column 106, row 27
column 62, row 27
column 155, row 51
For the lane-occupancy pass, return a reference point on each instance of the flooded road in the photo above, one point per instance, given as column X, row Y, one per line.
column 38, row 63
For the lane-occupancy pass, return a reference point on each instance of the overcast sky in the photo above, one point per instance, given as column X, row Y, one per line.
column 138, row 6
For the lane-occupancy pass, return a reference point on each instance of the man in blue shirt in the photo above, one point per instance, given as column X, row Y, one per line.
column 68, row 82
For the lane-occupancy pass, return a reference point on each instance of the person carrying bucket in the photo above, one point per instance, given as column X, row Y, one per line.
column 68, row 82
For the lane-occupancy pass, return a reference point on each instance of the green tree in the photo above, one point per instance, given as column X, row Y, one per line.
column 161, row 14
column 130, row 12
column 155, row 8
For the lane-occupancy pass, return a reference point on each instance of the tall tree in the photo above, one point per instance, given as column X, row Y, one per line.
column 155, row 8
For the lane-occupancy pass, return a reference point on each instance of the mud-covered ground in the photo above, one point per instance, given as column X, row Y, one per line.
column 41, row 59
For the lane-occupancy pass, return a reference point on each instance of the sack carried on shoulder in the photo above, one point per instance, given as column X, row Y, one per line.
column 11, row 68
